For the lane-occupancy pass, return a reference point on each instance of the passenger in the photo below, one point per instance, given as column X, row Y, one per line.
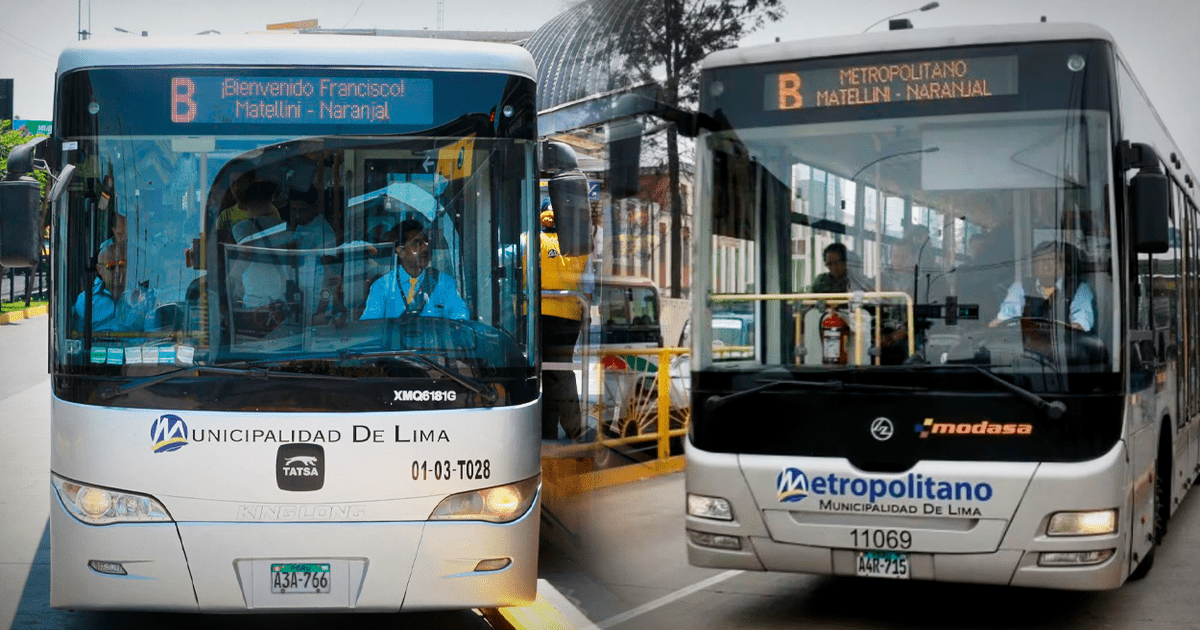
column 256, row 281
column 239, row 212
column 560, row 321
column 986, row 276
column 893, row 326
column 1056, row 269
column 114, row 309
column 309, row 226
column 839, row 278
column 415, row 288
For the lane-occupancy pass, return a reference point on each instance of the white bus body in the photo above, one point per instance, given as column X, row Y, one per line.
column 216, row 454
column 927, row 431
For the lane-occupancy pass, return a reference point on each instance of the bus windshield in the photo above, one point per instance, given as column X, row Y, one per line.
column 954, row 233
column 391, row 251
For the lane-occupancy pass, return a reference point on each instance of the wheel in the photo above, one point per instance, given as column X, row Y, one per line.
column 1162, row 483
column 1162, row 501
column 1143, row 567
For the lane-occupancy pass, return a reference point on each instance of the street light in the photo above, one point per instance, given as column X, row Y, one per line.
column 929, row 7
column 121, row 30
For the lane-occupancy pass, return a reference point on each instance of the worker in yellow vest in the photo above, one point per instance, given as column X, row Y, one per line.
column 560, row 320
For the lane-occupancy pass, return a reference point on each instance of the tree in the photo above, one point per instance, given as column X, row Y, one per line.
column 670, row 39
column 10, row 139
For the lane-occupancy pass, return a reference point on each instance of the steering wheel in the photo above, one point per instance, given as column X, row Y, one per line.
column 269, row 316
column 1059, row 338
column 1017, row 321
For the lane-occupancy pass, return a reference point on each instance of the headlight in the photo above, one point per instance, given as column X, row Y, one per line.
column 1082, row 523
column 498, row 504
column 709, row 507
column 102, row 506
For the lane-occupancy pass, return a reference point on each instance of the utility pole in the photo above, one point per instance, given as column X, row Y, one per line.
column 84, row 34
column 441, row 8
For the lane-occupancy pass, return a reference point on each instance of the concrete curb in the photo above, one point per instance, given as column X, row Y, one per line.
column 16, row 316
column 551, row 611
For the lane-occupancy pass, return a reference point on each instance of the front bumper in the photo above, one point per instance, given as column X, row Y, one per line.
column 224, row 567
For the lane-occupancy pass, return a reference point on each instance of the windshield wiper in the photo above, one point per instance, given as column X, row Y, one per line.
column 1054, row 410
column 198, row 370
column 715, row 402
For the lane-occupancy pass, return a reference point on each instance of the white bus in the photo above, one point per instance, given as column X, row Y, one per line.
column 947, row 409
column 250, row 413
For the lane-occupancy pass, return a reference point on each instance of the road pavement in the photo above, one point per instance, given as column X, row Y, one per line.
column 640, row 580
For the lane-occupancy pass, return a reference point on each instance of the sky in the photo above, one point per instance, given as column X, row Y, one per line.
column 1153, row 34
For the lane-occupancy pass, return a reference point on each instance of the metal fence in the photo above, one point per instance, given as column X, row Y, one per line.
column 24, row 285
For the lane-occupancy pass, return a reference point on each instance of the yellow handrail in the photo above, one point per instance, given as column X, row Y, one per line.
column 663, row 432
column 856, row 300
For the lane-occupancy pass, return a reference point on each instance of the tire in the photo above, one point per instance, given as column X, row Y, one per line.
column 1162, row 501
column 1143, row 567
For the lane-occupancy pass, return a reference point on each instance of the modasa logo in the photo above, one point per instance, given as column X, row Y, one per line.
column 984, row 427
column 168, row 433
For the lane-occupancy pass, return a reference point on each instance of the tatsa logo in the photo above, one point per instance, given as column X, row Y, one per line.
column 168, row 433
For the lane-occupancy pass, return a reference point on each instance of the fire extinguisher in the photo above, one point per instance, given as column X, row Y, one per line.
column 834, row 336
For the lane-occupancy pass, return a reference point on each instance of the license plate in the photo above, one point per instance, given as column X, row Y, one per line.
column 300, row 578
column 883, row 564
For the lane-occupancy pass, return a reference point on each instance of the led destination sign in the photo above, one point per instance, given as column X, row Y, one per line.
column 301, row 100
column 872, row 84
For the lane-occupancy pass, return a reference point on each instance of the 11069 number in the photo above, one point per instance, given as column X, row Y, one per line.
column 881, row 538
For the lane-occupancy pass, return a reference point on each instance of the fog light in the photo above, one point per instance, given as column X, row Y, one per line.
column 1093, row 523
column 494, row 564
column 1073, row 558
column 709, row 507
column 102, row 566
column 719, row 541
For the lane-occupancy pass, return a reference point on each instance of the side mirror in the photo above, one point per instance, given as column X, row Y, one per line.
column 20, row 159
column 1149, row 202
column 60, row 185
column 558, row 157
column 624, row 158
column 572, row 213
column 20, row 238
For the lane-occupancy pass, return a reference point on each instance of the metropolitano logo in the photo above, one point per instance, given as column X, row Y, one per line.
column 168, row 433
column 791, row 485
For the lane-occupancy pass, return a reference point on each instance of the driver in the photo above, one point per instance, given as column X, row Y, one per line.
column 415, row 288
column 114, row 308
column 1055, row 267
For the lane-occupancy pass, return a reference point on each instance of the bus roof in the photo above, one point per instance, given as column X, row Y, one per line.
column 907, row 39
column 289, row 49
column 611, row 280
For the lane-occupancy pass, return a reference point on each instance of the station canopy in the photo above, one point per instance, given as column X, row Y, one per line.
column 578, row 52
